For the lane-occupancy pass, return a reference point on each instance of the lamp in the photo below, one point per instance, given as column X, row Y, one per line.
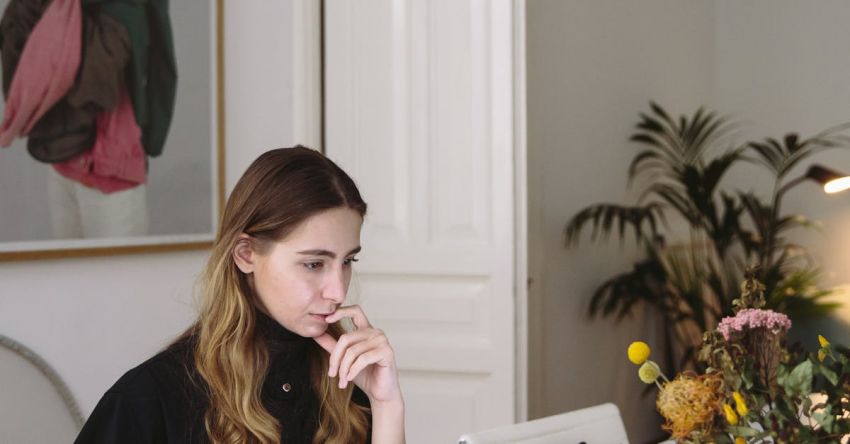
column 832, row 181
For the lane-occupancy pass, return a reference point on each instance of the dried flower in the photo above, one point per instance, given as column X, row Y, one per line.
column 752, row 293
column 752, row 318
column 731, row 416
column 747, row 361
column 689, row 402
column 638, row 352
column 740, row 405
column 649, row 372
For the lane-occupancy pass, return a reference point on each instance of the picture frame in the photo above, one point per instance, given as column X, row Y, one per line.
column 199, row 73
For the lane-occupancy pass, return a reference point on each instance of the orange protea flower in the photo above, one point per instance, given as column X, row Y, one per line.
column 689, row 402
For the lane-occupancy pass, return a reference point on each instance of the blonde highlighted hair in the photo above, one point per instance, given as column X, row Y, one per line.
column 280, row 190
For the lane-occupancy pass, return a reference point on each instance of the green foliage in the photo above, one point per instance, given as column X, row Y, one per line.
column 806, row 400
column 799, row 381
column 682, row 163
column 809, row 404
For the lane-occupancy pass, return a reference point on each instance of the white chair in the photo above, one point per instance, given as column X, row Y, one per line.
column 35, row 404
column 600, row 424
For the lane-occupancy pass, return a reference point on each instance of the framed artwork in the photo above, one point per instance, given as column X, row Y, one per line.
column 46, row 213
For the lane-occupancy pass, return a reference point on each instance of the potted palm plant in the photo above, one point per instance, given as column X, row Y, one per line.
column 692, row 282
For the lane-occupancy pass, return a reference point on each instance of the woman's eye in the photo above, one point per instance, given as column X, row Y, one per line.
column 313, row 265
column 350, row 260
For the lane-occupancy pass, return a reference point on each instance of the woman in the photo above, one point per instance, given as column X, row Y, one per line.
column 267, row 360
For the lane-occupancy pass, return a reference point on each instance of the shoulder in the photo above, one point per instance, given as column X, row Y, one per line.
column 162, row 373
column 144, row 401
column 159, row 374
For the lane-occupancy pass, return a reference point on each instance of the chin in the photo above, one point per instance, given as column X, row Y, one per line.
column 312, row 331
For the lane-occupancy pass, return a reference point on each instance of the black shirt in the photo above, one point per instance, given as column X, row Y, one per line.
column 160, row 401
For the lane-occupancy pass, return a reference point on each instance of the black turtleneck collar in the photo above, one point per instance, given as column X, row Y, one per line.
column 278, row 338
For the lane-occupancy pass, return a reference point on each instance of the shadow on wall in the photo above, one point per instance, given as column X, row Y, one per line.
column 835, row 326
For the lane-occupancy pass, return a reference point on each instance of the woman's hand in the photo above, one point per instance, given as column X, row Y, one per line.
column 363, row 356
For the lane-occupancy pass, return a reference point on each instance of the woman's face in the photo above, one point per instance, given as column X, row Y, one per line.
column 305, row 277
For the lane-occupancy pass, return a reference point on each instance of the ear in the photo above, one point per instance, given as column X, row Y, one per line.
column 244, row 254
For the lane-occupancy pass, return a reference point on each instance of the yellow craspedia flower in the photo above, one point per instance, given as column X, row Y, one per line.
column 648, row 372
column 740, row 440
column 638, row 352
column 821, row 355
column 740, row 405
column 731, row 416
column 823, row 342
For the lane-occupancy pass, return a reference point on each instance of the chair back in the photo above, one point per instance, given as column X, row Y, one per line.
column 35, row 405
column 600, row 424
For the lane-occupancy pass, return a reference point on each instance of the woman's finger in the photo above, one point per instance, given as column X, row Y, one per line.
column 342, row 344
column 375, row 356
column 355, row 351
column 362, row 362
column 351, row 311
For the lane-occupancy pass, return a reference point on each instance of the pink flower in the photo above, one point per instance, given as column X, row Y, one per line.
column 752, row 318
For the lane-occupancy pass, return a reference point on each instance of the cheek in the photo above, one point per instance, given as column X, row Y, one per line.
column 302, row 292
column 289, row 291
column 348, row 274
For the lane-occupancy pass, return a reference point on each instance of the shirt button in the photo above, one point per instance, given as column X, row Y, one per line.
column 287, row 387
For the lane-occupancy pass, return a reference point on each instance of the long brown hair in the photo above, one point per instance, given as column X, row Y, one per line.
column 278, row 191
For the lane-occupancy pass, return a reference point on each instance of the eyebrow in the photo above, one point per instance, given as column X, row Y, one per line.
column 327, row 253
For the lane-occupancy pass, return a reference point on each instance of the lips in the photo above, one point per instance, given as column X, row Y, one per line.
column 320, row 316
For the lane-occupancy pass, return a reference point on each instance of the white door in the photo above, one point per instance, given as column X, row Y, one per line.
column 418, row 108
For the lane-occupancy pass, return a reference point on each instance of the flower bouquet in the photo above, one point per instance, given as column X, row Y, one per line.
column 755, row 389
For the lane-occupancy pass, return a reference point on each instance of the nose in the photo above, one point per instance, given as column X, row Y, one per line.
column 336, row 287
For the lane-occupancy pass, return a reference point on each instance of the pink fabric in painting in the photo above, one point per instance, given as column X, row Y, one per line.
column 46, row 70
column 117, row 161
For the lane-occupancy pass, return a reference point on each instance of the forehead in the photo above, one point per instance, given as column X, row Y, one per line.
column 336, row 230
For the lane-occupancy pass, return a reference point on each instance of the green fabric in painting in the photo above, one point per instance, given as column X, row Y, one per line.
column 152, row 74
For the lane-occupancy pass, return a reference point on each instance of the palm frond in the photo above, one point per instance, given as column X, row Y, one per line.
column 671, row 145
column 729, row 227
column 781, row 157
column 644, row 221
column 674, row 196
column 691, row 288
column 619, row 294
column 798, row 296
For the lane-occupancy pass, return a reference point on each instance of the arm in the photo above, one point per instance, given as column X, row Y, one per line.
column 364, row 356
column 388, row 422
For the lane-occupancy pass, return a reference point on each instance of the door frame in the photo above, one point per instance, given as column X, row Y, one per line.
column 307, row 78
column 521, row 281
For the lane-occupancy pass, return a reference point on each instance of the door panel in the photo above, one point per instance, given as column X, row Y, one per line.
column 418, row 109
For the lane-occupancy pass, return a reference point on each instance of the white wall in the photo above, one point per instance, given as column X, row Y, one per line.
column 592, row 66
column 93, row 319
column 784, row 67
